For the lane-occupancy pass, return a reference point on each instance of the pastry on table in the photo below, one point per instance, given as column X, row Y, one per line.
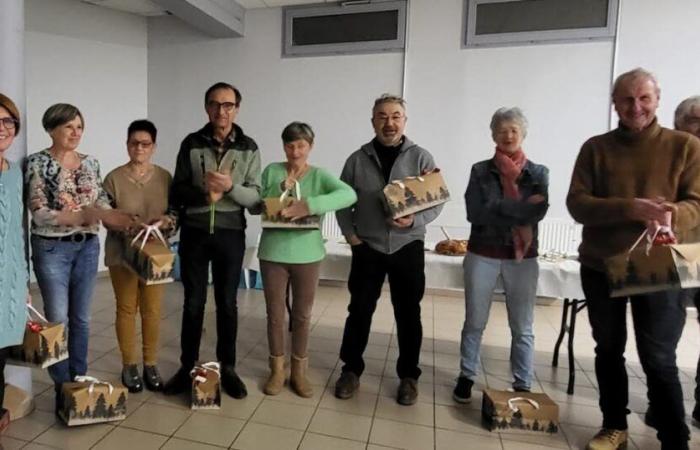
column 452, row 247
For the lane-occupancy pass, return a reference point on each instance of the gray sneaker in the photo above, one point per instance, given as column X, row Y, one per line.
column 346, row 385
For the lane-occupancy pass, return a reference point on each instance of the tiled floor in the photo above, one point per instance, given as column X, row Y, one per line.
column 372, row 420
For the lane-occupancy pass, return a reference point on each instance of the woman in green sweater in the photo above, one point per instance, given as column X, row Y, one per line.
column 294, row 254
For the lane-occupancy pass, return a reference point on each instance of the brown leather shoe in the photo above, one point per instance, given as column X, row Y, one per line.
column 408, row 391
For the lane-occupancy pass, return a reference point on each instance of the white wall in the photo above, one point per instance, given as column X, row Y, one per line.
column 94, row 58
column 334, row 94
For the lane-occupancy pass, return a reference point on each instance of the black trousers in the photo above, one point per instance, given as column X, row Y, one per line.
column 658, row 320
column 224, row 249
column 368, row 270
column 4, row 354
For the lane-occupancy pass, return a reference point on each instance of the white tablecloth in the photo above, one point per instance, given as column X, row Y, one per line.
column 558, row 279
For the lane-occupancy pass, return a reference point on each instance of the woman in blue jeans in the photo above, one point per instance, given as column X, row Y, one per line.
column 67, row 202
column 506, row 198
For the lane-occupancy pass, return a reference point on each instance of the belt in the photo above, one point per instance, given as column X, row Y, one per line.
column 75, row 237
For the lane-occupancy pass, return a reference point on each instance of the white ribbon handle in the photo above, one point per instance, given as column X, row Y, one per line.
column 514, row 408
column 296, row 188
column 146, row 232
column 210, row 366
column 93, row 381
column 402, row 185
column 31, row 309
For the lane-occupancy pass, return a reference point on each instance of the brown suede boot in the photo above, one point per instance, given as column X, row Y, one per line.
column 275, row 382
column 298, row 380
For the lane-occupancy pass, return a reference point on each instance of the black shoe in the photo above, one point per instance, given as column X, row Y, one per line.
column 463, row 391
column 131, row 378
column 650, row 418
column 521, row 389
column 152, row 379
column 346, row 385
column 232, row 383
column 179, row 383
column 408, row 392
column 696, row 416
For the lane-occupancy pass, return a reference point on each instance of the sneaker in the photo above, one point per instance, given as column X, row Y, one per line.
column 521, row 389
column 131, row 378
column 346, row 385
column 608, row 439
column 179, row 383
column 232, row 383
column 463, row 391
column 408, row 392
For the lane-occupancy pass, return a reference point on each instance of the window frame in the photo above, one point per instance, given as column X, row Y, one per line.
column 325, row 9
column 471, row 40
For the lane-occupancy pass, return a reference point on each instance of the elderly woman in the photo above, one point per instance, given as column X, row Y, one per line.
column 506, row 197
column 67, row 202
column 13, row 277
column 140, row 188
column 294, row 255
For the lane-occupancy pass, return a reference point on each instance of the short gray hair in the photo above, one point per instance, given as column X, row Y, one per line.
column 59, row 114
column 389, row 98
column 514, row 114
column 298, row 130
column 636, row 74
column 684, row 109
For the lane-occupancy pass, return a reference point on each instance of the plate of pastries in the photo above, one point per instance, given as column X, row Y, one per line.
column 451, row 247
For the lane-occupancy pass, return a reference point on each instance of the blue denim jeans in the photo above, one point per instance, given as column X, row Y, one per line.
column 66, row 273
column 520, row 284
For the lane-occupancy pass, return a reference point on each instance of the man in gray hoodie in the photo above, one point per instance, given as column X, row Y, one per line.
column 382, row 246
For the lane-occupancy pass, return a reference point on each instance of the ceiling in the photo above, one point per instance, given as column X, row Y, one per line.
column 149, row 8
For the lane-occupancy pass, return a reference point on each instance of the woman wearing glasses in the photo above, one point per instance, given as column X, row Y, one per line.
column 67, row 204
column 294, row 255
column 13, row 276
column 140, row 188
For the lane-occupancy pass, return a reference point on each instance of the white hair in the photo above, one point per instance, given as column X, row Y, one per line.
column 684, row 109
column 514, row 114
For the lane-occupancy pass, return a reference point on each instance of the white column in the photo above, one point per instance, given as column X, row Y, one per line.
column 12, row 66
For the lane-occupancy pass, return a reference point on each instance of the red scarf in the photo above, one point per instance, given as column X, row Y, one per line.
column 509, row 166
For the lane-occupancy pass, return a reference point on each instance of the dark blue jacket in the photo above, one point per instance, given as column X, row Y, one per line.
column 492, row 216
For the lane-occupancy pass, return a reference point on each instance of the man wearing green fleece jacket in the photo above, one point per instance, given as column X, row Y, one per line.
column 216, row 177
column 381, row 247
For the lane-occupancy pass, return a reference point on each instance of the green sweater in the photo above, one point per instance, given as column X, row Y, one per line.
column 323, row 193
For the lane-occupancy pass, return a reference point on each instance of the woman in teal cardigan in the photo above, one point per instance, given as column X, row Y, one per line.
column 294, row 254
column 14, row 274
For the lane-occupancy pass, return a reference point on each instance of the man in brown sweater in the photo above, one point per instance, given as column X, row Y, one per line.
column 622, row 180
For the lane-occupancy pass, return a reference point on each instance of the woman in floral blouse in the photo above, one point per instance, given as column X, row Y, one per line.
column 67, row 204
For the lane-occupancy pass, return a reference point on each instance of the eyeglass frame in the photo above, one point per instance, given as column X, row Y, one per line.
column 10, row 123
column 213, row 104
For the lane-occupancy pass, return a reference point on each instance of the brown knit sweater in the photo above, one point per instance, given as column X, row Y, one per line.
column 618, row 166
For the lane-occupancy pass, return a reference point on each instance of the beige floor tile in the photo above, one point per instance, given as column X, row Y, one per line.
column 8, row 443
column 156, row 419
column 123, row 438
column 256, row 436
column 555, row 440
column 420, row 413
column 361, row 404
column 290, row 397
column 379, row 447
column 459, row 418
column 29, row 427
column 402, row 435
column 214, row 430
column 35, row 446
column 453, row 440
column 76, row 438
column 181, row 444
column 283, row 414
column 339, row 424
column 236, row 408
column 312, row 441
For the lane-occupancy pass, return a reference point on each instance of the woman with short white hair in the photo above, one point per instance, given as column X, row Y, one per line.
column 506, row 198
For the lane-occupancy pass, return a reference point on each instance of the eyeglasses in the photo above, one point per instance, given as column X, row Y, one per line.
column 393, row 118
column 227, row 106
column 9, row 123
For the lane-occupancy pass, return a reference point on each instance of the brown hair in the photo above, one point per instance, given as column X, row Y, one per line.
column 10, row 106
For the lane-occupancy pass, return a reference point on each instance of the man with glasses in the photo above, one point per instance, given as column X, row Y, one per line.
column 217, row 175
column 382, row 246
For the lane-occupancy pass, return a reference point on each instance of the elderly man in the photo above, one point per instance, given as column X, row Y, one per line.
column 217, row 175
column 381, row 247
column 623, row 180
